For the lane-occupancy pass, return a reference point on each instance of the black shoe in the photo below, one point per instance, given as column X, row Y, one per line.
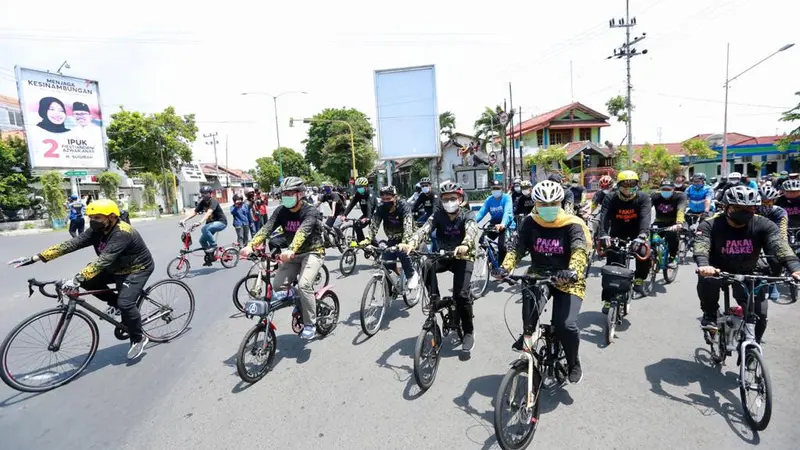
column 520, row 344
column 709, row 321
column 638, row 287
column 575, row 373
column 468, row 344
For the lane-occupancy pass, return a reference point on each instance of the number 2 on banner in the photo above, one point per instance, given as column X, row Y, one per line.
column 53, row 147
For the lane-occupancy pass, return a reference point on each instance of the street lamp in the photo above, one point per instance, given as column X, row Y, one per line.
column 727, row 84
column 277, row 131
column 352, row 137
column 63, row 65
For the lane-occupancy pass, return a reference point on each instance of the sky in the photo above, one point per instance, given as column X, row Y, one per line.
column 200, row 56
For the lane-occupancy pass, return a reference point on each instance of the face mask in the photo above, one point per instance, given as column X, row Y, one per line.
column 740, row 217
column 451, row 206
column 288, row 201
column 548, row 213
column 97, row 225
column 678, row 184
column 526, row 192
column 516, row 188
column 361, row 190
column 497, row 194
column 628, row 192
column 327, row 190
column 606, row 191
column 666, row 194
column 426, row 189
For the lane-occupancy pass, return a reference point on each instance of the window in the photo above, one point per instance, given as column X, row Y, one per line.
column 585, row 134
column 719, row 169
column 557, row 138
column 15, row 118
column 540, row 138
column 772, row 166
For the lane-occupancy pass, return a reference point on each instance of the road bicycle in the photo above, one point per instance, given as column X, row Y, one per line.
column 388, row 281
column 487, row 260
column 617, row 281
column 544, row 361
column 260, row 341
column 48, row 331
column 659, row 259
column 179, row 267
column 735, row 330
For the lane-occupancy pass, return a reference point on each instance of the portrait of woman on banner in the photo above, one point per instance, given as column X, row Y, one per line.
column 53, row 114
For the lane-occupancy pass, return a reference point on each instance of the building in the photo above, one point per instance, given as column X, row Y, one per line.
column 10, row 116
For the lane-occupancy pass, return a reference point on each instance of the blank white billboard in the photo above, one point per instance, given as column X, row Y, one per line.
column 407, row 113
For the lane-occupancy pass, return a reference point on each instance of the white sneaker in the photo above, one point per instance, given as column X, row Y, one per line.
column 137, row 348
column 309, row 331
column 413, row 282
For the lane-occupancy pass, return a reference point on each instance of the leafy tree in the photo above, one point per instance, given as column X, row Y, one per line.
column 697, row 149
column 150, row 189
column 54, row 197
column 657, row 162
column 545, row 158
column 792, row 115
column 420, row 168
column 618, row 108
column 328, row 143
column 141, row 140
column 488, row 125
column 15, row 174
column 266, row 173
column 109, row 184
column 447, row 124
column 294, row 165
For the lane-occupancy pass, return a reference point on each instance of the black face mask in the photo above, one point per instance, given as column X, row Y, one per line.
column 740, row 217
column 97, row 225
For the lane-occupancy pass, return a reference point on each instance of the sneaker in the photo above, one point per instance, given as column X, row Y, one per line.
column 709, row 321
column 575, row 373
column 774, row 294
column 606, row 307
column 309, row 331
column 137, row 348
column 468, row 344
column 638, row 286
column 673, row 262
column 413, row 282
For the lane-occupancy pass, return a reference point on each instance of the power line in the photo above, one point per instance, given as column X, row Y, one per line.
column 708, row 100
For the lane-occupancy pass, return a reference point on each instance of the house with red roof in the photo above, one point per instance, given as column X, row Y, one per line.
column 10, row 115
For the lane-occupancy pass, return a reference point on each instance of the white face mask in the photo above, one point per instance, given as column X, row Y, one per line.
column 606, row 191
column 426, row 189
column 526, row 192
column 497, row 193
column 451, row 206
column 516, row 188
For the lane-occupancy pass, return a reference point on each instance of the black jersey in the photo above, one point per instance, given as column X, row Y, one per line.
column 523, row 205
column 334, row 198
column 669, row 211
column 365, row 201
column 302, row 228
column 397, row 220
column 625, row 218
column 461, row 229
column 792, row 208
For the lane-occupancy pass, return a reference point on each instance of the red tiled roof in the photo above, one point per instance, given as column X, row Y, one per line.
column 211, row 169
column 10, row 101
column 733, row 138
column 560, row 126
column 672, row 148
column 542, row 120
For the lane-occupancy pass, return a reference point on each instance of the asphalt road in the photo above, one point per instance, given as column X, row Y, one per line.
column 654, row 388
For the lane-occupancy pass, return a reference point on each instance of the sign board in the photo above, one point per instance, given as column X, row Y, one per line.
column 407, row 113
column 76, row 173
column 192, row 172
column 63, row 120
column 466, row 179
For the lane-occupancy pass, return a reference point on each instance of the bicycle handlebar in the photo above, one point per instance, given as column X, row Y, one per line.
column 744, row 277
column 33, row 282
column 439, row 254
column 536, row 279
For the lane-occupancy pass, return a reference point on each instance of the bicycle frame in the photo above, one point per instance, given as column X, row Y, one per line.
column 491, row 247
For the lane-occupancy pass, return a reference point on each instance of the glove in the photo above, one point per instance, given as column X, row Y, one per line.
column 500, row 273
column 70, row 285
column 605, row 240
column 364, row 243
column 566, row 276
column 23, row 261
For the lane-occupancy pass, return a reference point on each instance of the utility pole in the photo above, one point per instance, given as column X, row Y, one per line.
column 228, row 179
column 513, row 165
column 627, row 51
column 214, row 142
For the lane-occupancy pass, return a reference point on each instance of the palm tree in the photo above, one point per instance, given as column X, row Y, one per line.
column 447, row 124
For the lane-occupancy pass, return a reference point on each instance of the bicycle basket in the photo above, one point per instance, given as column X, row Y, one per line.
column 186, row 238
column 616, row 279
column 256, row 308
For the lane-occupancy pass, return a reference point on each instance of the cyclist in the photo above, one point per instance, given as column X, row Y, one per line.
column 558, row 242
column 626, row 215
column 426, row 201
column 670, row 206
column 76, row 210
column 366, row 201
column 123, row 259
column 398, row 225
column 413, row 198
column 778, row 216
column 732, row 242
column 516, row 190
column 335, row 203
column 790, row 201
column 501, row 211
column 700, row 196
column 215, row 221
column 303, row 230
column 578, row 191
column 569, row 197
column 680, row 183
column 524, row 203
column 783, row 176
column 734, row 179
column 456, row 230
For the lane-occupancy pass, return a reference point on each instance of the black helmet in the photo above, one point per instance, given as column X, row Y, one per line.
column 742, row 195
column 448, row 187
column 667, row 183
column 236, row 197
column 293, row 184
column 425, row 180
column 388, row 190
column 769, row 193
column 517, row 180
column 555, row 177
column 205, row 189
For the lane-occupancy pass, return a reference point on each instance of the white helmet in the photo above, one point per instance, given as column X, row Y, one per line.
column 736, row 175
column 548, row 192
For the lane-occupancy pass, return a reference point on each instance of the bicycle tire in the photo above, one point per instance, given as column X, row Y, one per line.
column 425, row 384
column 364, row 299
column 13, row 383
column 229, row 258
column 323, row 269
column 190, row 314
column 668, row 279
column 347, row 270
column 481, row 286
column 611, row 323
column 329, row 310
column 760, row 425
column 408, row 299
column 252, row 294
column 271, row 342
column 180, row 269
column 792, row 294
column 515, row 371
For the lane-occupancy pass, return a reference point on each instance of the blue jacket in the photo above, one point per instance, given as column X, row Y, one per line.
column 500, row 209
column 697, row 198
column 242, row 216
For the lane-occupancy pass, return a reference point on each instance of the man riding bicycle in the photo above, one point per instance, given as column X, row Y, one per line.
column 366, row 201
column 557, row 242
column 516, row 190
column 779, row 217
column 426, row 202
column 700, row 196
column 456, row 230
column 790, row 201
column 123, row 260
column 215, row 221
column 606, row 183
column 670, row 206
column 524, row 203
column 303, row 230
column 501, row 211
column 732, row 242
column 626, row 215
column 398, row 224
column 335, row 203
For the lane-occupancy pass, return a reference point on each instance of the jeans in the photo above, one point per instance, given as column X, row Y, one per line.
column 76, row 226
column 307, row 268
column 565, row 319
column 130, row 288
column 243, row 235
column 708, row 290
column 207, row 239
column 405, row 260
column 462, row 272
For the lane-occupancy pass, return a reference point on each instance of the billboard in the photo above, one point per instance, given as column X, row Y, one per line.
column 62, row 119
column 407, row 114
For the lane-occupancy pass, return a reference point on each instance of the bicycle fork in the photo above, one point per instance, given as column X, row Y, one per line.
column 61, row 329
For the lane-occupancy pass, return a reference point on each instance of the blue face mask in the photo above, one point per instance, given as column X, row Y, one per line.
column 288, row 201
column 666, row 194
column 361, row 190
column 548, row 213
column 497, row 194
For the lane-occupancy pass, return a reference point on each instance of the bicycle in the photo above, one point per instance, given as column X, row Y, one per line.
column 54, row 341
column 179, row 267
column 688, row 234
column 264, row 310
column 347, row 262
column 392, row 283
column 659, row 260
column 546, row 360
column 486, row 260
column 432, row 333
column 618, row 280
column 736, row 331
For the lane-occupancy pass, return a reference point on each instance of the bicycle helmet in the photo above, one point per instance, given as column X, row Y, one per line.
column 517, row 180
column 769, row 193
column 699, row 176
column 606, row 182
column 292, row 184
column 555, row 177
column 742, row 195
column 73, row 197
column 103, row 207
column 362, row 181
column 548, row 191
column 388, row 190
column 734, row 176
column 448, row 187
column 627, row 175
column 667, row 183
column 525, row 184
column 205, row 189
column 425, row 180
column 237, row 197
column 791, row 185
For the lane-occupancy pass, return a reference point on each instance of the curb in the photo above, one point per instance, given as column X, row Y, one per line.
column 27, row 232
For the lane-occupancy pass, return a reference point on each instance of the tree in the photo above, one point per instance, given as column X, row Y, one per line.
column 420, row 168
column 294, row 165
column 150, row 189
column 328, row 143
column 447, row 124
column 545, row 158
column 109, row 184
column 266, row 173
column 55, row 200
column 488, row 125
column 657, row 162
column 618, row 108
column 697, row 149
column 792, row 115
column 15, row 174
column 141, row 140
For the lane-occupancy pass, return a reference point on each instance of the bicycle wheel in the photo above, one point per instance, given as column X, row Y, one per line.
column 372, row 308
column 670, row 273
column 167, row 308
column 327, row 313
column 30, row 340
column 650, row 283
column 683, row 249
column 322, row 278
column 248, row 288
column 349, row 234
column 229, row 257
column 480, row 275
column 792, row 294
column 611, row 323
column 761, row 384
column 178, row 268
column 412, row 297
column 260, row 343
column 516, row 430
column 426, row 362
column 347, row 262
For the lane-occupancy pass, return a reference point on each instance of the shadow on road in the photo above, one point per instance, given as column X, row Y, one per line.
column 404, row 349
column 484, row 421
column 203, row 271
column 715, row 389
column 593, row 327
column 397, row 309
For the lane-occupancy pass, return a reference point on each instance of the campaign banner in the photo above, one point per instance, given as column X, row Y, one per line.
column 63, row 120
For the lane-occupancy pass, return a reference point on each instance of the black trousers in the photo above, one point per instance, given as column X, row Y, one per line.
column 358, row 227
column 565, row 319
column 709, row 291
column 618, row 257
column 76, row 226
column 462, row 273
column 130, row 288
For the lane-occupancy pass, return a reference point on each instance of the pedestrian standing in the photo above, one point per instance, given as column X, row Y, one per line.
column 76, row 210
column 242, row 220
